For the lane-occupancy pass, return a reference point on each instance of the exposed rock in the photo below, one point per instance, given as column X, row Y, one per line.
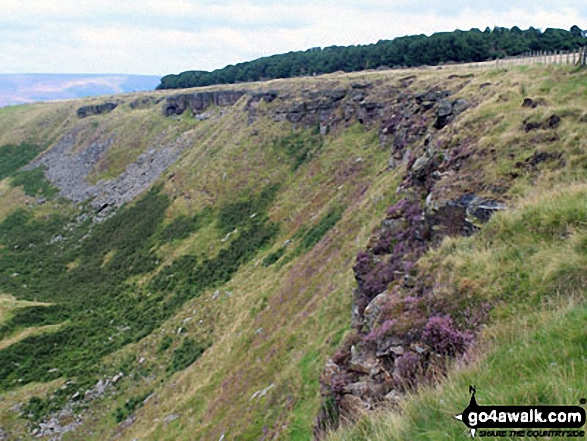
column 55, row 430
column 144, row 102
column 263, row 392
column 390, row 352
column 267, row 97
column 552, row 122
column 454, row 76
column 200, row 101
column 359, row 389
column 393, row 397
column 171, row 417
column 311, row 108
column 373, row 309
column 356, row 310
column 331, row 370
column 96, row 109
column 362, row 361
column 128, row 422
column 357, row 85
column 406, row 81
column 389, row 345
column 539, row 157
column 481, row 208
column 352, row 407
column 448, row 111
column 459, row 216
column 68, row 170
column 533, row 103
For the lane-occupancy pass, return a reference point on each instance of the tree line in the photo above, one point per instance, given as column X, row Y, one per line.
column 410, row 51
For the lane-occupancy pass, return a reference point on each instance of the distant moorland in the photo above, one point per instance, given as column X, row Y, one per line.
column 28, row 88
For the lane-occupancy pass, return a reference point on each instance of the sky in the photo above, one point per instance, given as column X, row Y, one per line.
column 158, row 37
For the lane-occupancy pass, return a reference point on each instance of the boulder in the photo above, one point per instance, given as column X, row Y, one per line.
column 171, row 417
column 373, row 310
column 393, row 397
column 389, row 345
column 331, row 370
column 448, row 111
column 352, row 407
column 460, row 216
column 359, row 389
column 482, row 209
column 96, row 109
column 362, row 361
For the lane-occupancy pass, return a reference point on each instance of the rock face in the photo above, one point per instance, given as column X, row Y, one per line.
column 96, row 109
column 200, row 101
column 145, row 102
column 403, row 332
column 308, row 109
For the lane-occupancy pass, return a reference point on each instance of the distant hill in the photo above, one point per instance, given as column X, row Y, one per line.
column 410, row 51
column 27, row 88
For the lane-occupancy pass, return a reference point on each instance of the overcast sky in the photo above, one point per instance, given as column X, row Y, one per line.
column 170, row 36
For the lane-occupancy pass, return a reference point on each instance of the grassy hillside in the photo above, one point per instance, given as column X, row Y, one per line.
column 209, row 305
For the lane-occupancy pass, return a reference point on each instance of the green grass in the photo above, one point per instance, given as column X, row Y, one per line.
column 34, row 183
column 130, row 406
column 318, row 231
column 237, row 213
column 274, row 256
column 186, row 354
column 183, row 226
column 299, row 146
column 15, row 156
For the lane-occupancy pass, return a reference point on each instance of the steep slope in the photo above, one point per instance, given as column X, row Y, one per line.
column 182, row 268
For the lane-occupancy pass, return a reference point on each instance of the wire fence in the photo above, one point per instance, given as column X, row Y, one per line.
column 569, row 58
